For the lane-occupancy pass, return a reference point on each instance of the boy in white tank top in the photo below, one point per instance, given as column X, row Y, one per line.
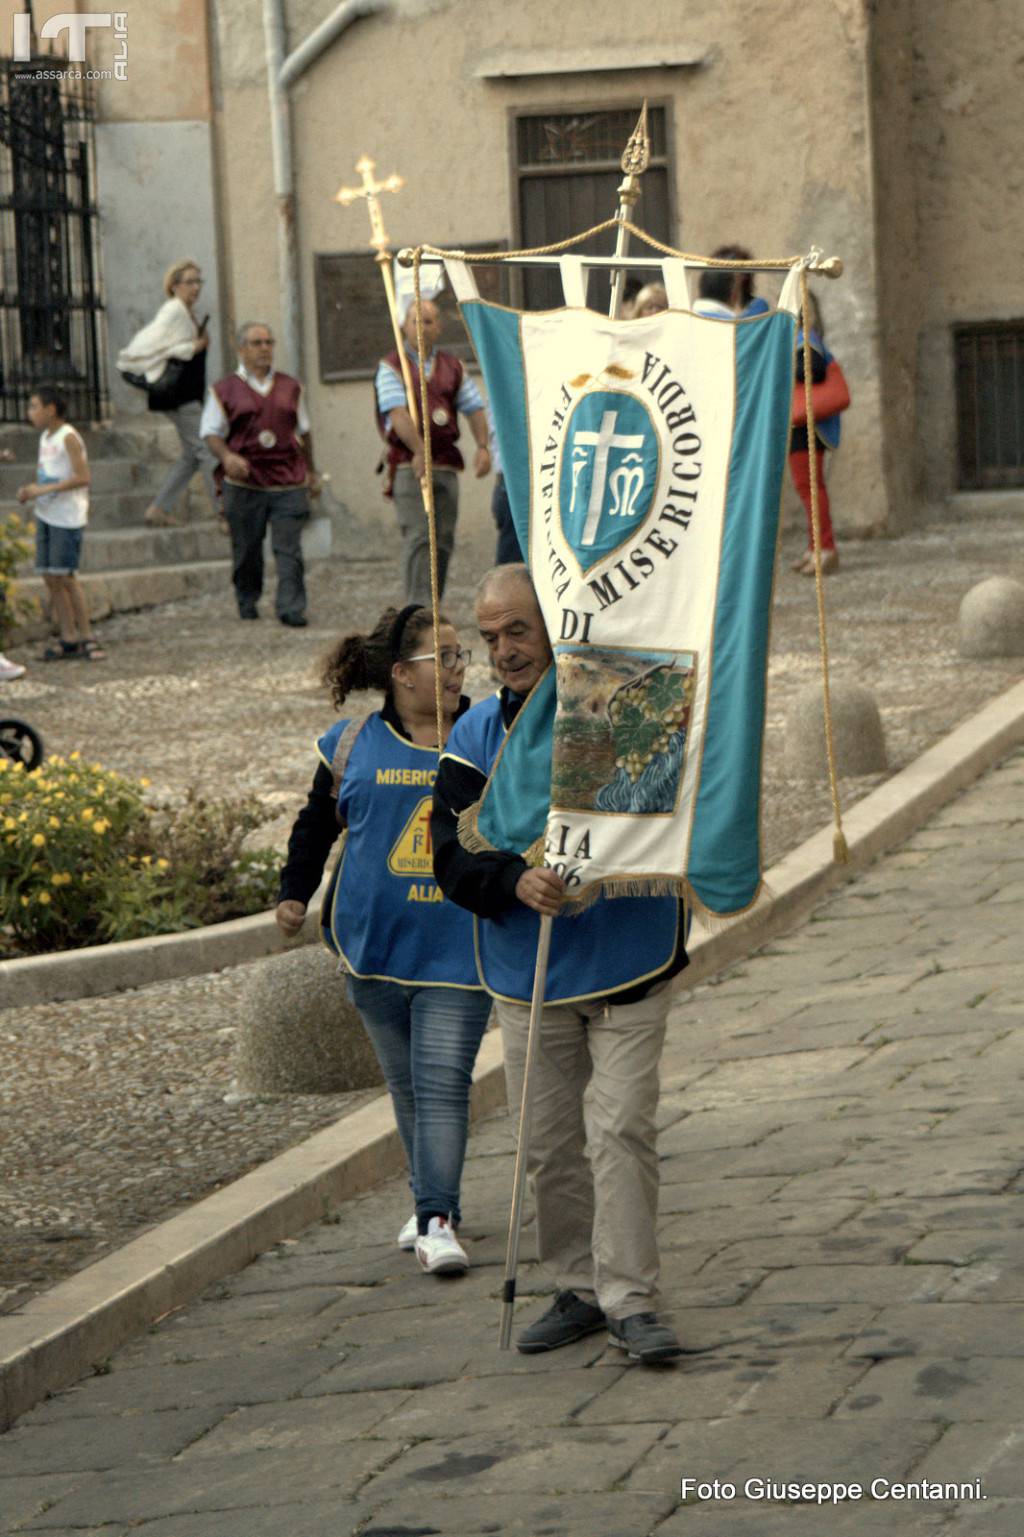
column 61, row 496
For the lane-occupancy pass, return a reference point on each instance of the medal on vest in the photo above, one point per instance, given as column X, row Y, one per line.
column 267, row 439
column 439, row 416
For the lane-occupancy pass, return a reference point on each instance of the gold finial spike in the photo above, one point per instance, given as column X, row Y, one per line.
column 636, row 156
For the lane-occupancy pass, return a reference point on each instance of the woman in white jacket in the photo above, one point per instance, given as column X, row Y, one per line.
column 175, row 333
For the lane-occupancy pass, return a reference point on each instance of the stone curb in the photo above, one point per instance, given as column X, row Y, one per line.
column 875, row 824
column 137, row 962
column 55, row 1338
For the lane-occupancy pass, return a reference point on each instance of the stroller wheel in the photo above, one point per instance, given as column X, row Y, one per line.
column 20, row 743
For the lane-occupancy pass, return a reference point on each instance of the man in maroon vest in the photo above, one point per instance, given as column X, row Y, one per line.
column 449, row 391
column 256, row 425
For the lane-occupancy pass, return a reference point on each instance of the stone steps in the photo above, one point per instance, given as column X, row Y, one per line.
column 108, row 509
column 109, row 592
column 128, row 549
column 108, row 475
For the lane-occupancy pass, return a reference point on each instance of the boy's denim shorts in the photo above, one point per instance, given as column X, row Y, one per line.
column 58, row 550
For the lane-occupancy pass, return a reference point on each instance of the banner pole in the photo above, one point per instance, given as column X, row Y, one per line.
column 540, row 977
column 635, row 160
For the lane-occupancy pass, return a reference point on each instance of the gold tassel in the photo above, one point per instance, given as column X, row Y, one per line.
column 840, row 848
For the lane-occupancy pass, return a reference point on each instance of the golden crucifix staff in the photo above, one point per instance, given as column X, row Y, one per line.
column 636, row 157
column 371, row 190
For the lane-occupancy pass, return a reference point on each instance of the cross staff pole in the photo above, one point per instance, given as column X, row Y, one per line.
column 371, row 190
column 635, row 160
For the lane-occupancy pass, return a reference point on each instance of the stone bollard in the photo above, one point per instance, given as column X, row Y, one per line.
column 299, row 1033
column 992, row 618
column 856, row 732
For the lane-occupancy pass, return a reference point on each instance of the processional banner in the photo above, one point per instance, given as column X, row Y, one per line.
column 643, row 462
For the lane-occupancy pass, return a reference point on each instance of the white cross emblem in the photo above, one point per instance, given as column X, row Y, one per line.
column 602, row 442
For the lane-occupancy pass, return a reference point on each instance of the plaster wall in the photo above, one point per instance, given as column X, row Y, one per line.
column 968, row 128
column 891, row 78
column 750, row 156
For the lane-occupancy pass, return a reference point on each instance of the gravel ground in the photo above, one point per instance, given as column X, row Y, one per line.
column 119, row 1111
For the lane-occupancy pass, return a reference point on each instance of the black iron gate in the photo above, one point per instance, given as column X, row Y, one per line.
column 52, row 328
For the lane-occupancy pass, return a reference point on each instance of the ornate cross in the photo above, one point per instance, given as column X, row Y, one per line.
column 371, row 191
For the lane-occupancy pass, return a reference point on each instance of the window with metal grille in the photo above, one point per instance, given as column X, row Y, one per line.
column 569, row 170
column 990, row 404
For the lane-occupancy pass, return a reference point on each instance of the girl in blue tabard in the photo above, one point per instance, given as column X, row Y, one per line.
column 407, row 951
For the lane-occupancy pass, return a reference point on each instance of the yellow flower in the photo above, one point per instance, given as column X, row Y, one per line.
column 54, row 821
column 87, row 814
column 147, row 859
column 145, row 783
column 74, row 757
column 24, row 901
column 10, row 825
column 100, row 825
column 4, row 765
column 38, row 840
column 163, row 864
column 45, row 898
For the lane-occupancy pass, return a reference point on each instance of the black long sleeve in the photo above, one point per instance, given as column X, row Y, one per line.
column 485, row 883
column 312, row 838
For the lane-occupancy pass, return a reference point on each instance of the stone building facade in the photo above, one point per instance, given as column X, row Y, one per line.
column 885, row 131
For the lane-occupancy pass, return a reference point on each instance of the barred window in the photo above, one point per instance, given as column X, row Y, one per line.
column 569, row 169
column 990, row 404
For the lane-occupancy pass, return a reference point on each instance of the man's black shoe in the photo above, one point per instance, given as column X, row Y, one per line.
column 569, row 1318
column 644, row 1338
column 296, row 621
column 248, row 612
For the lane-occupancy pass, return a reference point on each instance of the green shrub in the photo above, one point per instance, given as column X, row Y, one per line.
column 84, row 860
column 14, row 548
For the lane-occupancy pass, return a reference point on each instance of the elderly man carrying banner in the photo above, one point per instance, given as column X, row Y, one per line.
column 644, row 463
column 604, row 1022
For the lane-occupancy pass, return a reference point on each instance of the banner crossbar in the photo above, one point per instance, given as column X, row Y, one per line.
column 828, row 266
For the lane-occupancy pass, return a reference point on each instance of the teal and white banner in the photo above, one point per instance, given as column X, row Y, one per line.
column 644, row 462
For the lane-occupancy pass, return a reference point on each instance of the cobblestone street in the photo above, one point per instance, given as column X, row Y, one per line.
column 841, row 1234
column 191, row 696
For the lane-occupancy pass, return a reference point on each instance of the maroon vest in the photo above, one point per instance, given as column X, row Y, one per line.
column 443, row 387
column 277, row 461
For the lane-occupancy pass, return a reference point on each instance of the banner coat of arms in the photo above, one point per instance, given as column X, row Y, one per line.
column 643, row 461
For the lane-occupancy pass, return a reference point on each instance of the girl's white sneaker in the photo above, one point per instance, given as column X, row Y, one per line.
column 407, row 1237
column 439, row 1251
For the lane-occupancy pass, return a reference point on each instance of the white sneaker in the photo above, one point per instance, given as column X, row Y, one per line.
column 439, row 1251
column 10, row 670
column 407, row 1237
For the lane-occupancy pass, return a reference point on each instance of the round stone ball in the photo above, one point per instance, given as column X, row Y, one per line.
column 856, row 732
column 299, row 1034
column 992, row 618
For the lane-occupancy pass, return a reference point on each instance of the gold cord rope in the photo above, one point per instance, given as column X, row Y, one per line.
column 780, row 263
column 427, row 488
column 840, row 850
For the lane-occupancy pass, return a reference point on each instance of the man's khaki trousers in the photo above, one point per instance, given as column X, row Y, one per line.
column 594, row 1171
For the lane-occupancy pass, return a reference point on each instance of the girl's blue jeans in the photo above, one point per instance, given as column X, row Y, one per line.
column 426, row 1040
